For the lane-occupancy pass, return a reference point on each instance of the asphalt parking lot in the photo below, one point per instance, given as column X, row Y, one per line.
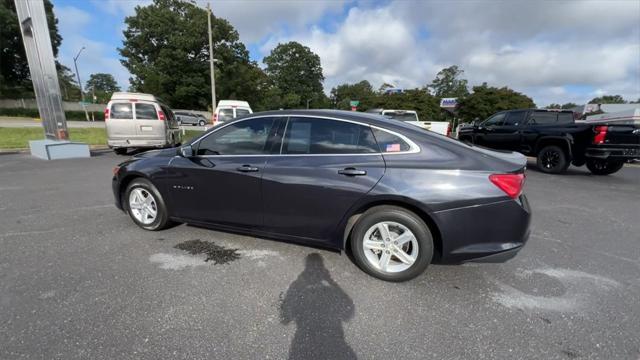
column 80, row 280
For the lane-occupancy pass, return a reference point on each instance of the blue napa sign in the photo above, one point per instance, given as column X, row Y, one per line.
column 449, row 103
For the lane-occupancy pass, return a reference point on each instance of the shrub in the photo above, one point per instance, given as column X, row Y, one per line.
column 33, row 113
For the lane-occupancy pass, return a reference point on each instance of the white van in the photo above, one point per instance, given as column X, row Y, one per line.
column 230, row 109
column 411, row 117
column 135, row 120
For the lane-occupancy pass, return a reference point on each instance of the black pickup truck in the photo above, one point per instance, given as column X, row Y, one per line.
column 557, row 140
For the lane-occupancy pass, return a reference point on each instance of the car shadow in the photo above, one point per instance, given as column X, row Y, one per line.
column 318, row 306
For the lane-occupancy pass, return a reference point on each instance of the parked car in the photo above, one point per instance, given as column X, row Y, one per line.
column 190, row 118
column 396, row 196
column 557, row 141
column 136, row 120
column 411, row 117
column 230, row 109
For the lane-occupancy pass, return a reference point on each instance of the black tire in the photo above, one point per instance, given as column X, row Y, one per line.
column 604, row 167
column 201, row 123
column 401, row 216
column 552, row 160
column 120, row 151
column 161, row 220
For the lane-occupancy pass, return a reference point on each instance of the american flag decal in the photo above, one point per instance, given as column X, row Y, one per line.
column 393, row 147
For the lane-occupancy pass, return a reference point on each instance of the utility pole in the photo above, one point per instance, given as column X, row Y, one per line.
column 75, row 63
column 211, row 60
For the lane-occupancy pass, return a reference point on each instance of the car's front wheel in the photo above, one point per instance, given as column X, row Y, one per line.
column 145, row 205
column 391, row 243
column 604, row 167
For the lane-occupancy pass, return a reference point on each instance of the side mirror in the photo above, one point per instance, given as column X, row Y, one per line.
column 186, row 151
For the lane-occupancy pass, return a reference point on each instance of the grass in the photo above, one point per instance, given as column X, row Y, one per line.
column 18, row 138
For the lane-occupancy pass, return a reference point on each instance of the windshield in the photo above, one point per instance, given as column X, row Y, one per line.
column 402, row 116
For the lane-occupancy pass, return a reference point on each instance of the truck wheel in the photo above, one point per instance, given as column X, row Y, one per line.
column 604, row 167
column 552, row 160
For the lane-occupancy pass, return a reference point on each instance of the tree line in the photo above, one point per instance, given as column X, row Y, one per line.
column 165, row 49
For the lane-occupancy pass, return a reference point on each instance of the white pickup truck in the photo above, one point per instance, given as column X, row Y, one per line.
column 411, row 117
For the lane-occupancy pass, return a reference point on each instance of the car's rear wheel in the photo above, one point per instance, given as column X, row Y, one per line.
column 201, row 123
column 391, row 243
column 604, row 167
column 145, row 205
column 552, row 160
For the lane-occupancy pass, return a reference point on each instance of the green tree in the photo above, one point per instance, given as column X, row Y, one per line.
column 564, row 106
column 449, row 84
column 342, row 95
column 68, row 85
column 427, row 105
column 102, row 86
column 486, row 100
column 15, row 80
column 166, row 51
column 608, row 99
column 296, row 71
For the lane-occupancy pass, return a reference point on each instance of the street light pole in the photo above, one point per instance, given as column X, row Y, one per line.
column 211, row 60
column 75, row 63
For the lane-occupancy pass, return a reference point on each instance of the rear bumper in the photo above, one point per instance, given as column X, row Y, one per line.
column 126, row 143
column 625, row 153
column 493, row 232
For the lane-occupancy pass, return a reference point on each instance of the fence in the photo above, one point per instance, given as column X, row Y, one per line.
column 31, row 104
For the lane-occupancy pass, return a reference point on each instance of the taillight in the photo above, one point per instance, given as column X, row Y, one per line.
column 601, row 134
column 214, row 118
column 160, row 115
column 449, row 129
column 106, row 114
column 511, row 184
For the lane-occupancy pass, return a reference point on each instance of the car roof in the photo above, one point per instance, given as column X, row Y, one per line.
column 133, row 96
column 233, row 103
column 368, row 118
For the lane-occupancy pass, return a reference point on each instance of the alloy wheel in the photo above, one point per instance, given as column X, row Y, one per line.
column 143, row 205
column 550, row 159
column 390, row 247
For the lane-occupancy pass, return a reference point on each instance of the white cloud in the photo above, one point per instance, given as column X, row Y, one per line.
column 97, row 57
column 544, row 49
column 256, row 20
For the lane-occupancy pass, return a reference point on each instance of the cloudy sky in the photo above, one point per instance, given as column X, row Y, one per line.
column 554, row 51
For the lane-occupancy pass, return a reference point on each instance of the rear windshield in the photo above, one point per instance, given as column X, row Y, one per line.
column 401, row 116
column 121, row 111
column 225, row 114
column 146, row 112
column 242, row 112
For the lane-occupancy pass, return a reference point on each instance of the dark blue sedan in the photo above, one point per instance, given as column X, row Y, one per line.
column 398, row 197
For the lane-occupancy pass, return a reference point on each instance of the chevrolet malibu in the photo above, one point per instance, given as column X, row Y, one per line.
column 396, row 196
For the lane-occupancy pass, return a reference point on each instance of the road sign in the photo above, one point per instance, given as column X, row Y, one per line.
column 354, row 103
column 449, row 103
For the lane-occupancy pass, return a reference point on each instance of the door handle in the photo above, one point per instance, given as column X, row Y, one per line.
column 247, row 168
column 352, row 172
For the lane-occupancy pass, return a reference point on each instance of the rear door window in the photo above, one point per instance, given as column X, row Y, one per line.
column 225, row 114
column 543, row 118
column 565, row 118
column 242, row 112
column 324, row 136
column 121, row 111
column 390, row 143
column 146, row 112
